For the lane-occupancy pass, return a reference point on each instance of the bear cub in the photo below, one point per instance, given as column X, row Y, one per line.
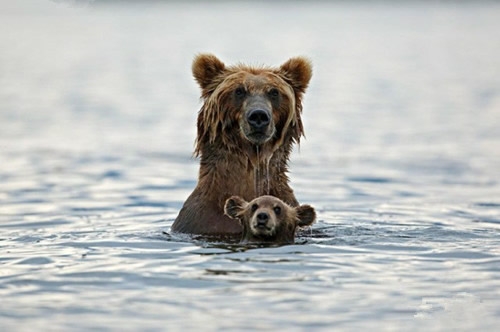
column 267, row 219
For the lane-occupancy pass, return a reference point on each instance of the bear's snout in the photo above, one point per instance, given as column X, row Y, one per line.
column 262, row 219
column 257, row 123
column 259, row 119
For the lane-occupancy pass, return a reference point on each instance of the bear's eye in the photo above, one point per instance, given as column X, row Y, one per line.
column 277, row 210
column 239, row 92
column 274, row 93
column 254, row 207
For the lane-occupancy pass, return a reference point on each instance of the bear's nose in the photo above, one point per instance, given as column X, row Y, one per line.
column 258, row 118
column 262, row 219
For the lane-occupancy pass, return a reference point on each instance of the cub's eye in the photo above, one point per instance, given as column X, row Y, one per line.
column 277, row 210
column 254, row 207
column 274, row 93
column 239, row 92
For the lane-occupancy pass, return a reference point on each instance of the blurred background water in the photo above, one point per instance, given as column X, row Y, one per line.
column 401, row 161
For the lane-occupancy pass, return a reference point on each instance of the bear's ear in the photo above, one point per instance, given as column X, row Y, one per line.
column 306, row 215
column 297, row 72
column 234, row 206
column 205, row 68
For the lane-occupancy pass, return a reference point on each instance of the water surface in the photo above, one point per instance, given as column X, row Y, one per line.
column 401, row 160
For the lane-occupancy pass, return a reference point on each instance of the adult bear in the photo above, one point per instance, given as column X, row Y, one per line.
column 249, row 121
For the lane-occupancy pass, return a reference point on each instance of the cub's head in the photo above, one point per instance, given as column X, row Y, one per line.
column 245, row 106
column 267, row 219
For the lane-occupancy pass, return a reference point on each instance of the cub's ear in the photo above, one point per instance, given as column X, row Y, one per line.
column 205, row 68
column 234, row 206
column 297, row 72
column 306, row 215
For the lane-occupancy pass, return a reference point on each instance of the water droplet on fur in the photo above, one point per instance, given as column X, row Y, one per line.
column 268, row 180
column 262, row 178
column 257, row 173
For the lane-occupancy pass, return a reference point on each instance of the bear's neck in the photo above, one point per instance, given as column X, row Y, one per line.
column 248, row 172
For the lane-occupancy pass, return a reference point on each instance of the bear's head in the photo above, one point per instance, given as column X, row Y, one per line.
column 267, row 219
column 250, row 106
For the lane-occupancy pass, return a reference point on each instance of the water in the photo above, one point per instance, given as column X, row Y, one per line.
column 401, row 161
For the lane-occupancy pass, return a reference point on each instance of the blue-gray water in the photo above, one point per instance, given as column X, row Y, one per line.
column 401, row 161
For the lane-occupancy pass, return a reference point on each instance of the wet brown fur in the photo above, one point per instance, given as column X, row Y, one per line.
column 282, row 223
column 230, row 164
